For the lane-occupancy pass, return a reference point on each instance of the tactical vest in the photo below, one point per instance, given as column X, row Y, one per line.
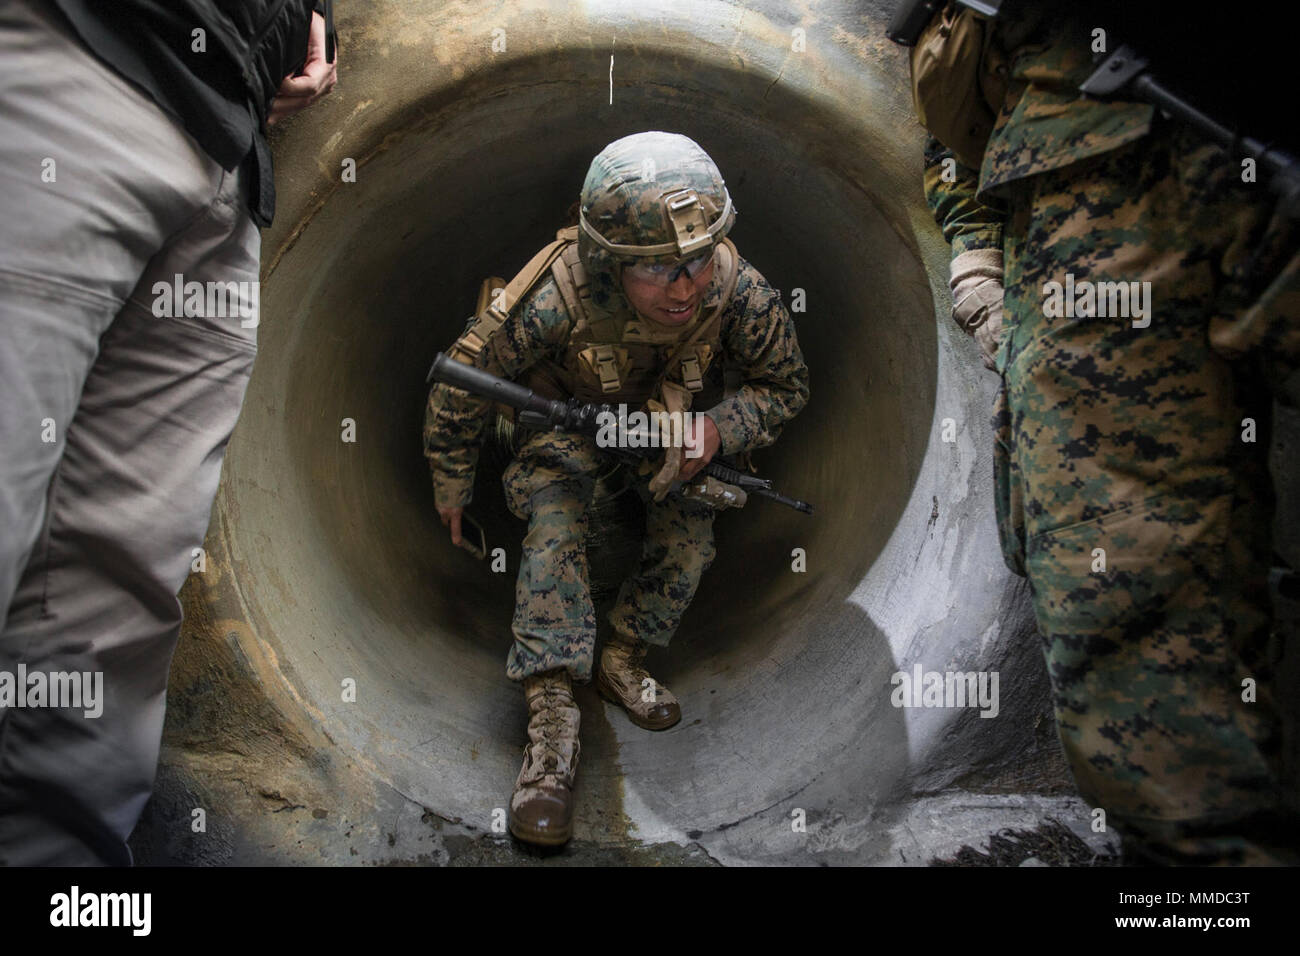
column 610, row 359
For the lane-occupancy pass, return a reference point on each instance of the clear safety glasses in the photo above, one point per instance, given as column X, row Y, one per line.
column 667, row 273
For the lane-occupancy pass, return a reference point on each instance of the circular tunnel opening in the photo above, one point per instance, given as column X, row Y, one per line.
column 346, row 574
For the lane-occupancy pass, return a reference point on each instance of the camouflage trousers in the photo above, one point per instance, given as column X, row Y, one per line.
column 550, row 484
column 1133, row 487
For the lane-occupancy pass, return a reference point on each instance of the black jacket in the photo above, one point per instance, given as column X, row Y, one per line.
column 219, row 84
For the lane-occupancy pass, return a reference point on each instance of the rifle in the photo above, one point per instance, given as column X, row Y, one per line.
column 1127, row 73
column 586, row 419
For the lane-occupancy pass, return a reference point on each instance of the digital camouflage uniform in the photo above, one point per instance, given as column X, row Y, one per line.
column 1129, row 439
column 551, row 480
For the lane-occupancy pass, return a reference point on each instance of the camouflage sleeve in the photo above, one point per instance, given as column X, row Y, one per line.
column 759, row 339
column 455, row 420
column 967, row 223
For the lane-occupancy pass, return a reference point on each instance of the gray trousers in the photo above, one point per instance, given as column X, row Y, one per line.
column 114, row 416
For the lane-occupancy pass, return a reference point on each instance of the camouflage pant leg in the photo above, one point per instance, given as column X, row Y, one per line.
column 1144, row 516
column 550, row 484
column 676, row 551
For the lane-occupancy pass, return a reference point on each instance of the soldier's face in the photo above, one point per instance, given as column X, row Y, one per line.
column 671, row 304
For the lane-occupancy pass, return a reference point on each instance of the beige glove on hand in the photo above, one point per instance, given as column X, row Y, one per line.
column 672, row 460
column 977, row 298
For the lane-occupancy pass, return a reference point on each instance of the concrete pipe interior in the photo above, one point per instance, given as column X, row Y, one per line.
column 464, row 167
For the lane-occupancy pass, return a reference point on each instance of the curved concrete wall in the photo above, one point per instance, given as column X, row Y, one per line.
column 331, row 563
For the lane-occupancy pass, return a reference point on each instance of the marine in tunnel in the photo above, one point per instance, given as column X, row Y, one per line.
column 642, row 305
column 1125, row 491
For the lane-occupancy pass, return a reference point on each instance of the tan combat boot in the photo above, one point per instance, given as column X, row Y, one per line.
column 622, row 680
column 541, row 810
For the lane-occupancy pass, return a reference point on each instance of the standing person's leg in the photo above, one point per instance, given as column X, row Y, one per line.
column 106, row 515
column 1145, row 514
column 93, row 178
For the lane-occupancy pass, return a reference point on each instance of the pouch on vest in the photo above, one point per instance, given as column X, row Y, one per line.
column 604, row 366
column 959, row 81
column 695, row 364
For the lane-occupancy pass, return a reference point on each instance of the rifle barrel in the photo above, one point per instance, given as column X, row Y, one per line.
column 485, row 384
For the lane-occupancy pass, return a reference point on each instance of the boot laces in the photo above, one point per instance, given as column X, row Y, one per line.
column 547, row 752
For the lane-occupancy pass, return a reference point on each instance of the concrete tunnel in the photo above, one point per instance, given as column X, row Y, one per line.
column 326, row 563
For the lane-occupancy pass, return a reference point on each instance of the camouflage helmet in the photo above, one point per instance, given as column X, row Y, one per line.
column 649, row 197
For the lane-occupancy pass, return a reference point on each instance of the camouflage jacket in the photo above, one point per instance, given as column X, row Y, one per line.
column 1044, row 123
column 758, row 340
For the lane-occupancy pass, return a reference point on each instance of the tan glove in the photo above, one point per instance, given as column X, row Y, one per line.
column 672, row 460
column 977, row 298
